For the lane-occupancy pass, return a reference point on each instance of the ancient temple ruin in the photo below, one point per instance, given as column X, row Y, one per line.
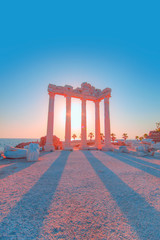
column 84, row 93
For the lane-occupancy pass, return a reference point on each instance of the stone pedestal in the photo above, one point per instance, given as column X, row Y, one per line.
column 68, row 148
column 49, row 148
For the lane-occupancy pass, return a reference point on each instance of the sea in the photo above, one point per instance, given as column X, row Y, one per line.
column 14, row 141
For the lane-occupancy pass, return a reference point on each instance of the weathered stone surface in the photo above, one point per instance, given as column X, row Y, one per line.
column 86, row 89
column 155, row 146
column 123, row 149
column 141, row 153
column 23, row 144
column 147, row 141
column 11, row 152
column 140, row 149
column 157, row 154
column 85, row 92
column 154, row 135
column 33, row 152
column 56, row 142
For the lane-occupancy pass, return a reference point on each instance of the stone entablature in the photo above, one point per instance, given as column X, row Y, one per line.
column 86, row 90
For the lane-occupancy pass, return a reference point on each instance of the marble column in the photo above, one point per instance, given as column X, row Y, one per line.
column 68, row 124
column 97, row 125
column 83, row 125
column 49, row 138
column 107, row 145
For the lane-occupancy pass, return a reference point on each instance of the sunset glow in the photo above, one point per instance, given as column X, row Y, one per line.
column 80, row 120
column 125, row 57
column 60, row 117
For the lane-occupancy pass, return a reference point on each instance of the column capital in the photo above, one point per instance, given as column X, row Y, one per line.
column 107, row 96
column 83, row 98
column 106, row 99
column 97, row 100
column 67, row 96
column 51, row 94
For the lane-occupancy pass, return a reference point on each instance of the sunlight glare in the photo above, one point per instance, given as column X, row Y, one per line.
column 76, row 117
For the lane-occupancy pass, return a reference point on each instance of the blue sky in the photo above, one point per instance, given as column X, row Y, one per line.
column 107, row 43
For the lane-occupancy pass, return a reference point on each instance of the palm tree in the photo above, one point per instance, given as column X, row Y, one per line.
column 145, row 135
column 136, row 137
column 124, row 136
column 113, row 137
column 158, row 126
column 141, row 138
column 74, row 136
column 90, row 135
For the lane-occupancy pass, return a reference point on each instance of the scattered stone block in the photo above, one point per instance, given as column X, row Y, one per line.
column 141, row 154
column 11, row 152
column 123, row 149
column 33, row 152
column 156, row 146
column 140, row 149
column 157, row 154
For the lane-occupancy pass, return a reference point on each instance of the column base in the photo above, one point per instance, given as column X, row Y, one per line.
column 90, row 148
column 107, row 148
column 99, row 147
column 68, row 148
column 83, row 148
column 49, row 148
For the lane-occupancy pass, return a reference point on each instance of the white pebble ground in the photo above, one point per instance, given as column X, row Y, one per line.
column 80, row 195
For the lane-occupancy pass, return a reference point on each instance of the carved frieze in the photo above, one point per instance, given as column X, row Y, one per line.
column 86, row 90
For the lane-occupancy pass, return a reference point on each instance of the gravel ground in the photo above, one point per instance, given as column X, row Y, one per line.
column 80, row 195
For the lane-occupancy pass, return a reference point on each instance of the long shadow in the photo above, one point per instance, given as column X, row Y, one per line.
column 5, row 162
column 26, row 218
column 14, row 168
column 141, row 216
column 132, row 162
column 138, row 160
column 44, row 153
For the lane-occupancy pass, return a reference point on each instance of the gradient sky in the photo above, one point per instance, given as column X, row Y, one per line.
column 106, row 43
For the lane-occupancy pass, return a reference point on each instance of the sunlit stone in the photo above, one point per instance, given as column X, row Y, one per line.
column 86, row 92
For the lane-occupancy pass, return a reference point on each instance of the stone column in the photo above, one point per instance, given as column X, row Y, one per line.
column 83, row 125
column 68, row 124
column 97, row 126
column 49, row 138
column 107, row 145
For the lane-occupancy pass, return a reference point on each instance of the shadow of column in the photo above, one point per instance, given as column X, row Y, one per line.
column 136, row 163
column 14, row 168
column 26, row 218
column 138, row 160
column 140, row 214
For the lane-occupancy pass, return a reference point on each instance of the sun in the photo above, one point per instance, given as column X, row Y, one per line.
column 60, row 117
